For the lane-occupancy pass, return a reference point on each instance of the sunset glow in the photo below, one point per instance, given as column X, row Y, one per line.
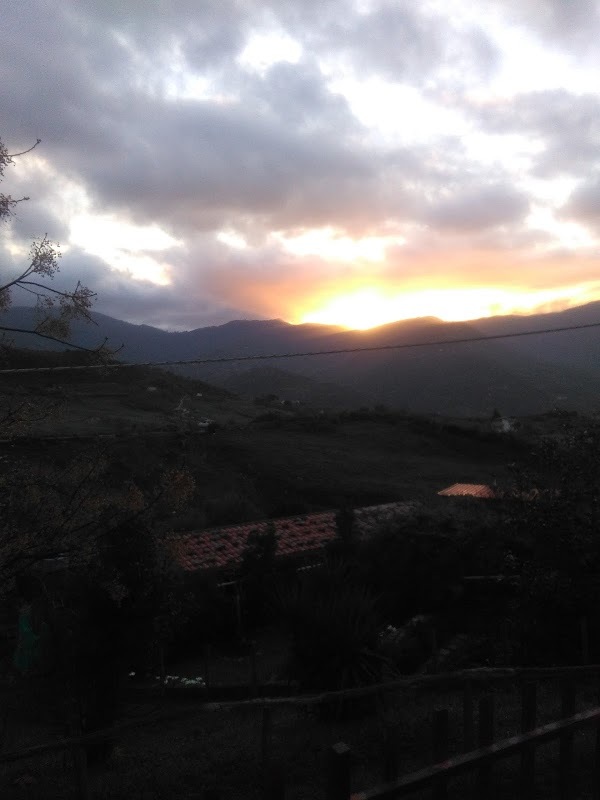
column 369, row 308
column 126, row 247
column 379, row 160
column 330, row 245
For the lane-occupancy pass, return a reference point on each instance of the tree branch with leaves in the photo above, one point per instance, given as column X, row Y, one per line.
column 57, row 308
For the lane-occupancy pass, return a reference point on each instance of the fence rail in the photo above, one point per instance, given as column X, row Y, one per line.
column 479, row 759
column 478, row 750
column 445, row 681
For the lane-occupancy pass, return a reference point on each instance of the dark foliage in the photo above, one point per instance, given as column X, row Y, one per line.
column 334, row 625
column 414, row 569
column 205, row 615
column 257, row 575
column 555, row 514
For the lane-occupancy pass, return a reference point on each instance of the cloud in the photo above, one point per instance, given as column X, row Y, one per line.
column 151, row 114
column 479, row 208
column 571, row 24
column 565, row 124
column 404, row 41
column 396, row 39
column 583, row 205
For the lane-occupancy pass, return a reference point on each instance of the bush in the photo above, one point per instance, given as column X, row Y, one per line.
column 334, row 628
column 205, row 615
column 75, row 680
column 555, row 512
column 257, row 574
column 414, row 572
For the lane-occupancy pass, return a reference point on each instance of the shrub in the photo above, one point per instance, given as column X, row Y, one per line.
column 257, row 574
column 334, row 631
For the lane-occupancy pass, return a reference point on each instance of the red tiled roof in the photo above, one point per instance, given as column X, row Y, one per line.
column 220, row 548
column 468, row 490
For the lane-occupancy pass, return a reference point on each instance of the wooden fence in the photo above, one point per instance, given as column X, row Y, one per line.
column 480, row 760
column 479, row 751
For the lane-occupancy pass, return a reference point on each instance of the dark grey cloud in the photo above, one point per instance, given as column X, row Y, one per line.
column 205, row 159
column 39, row 212
column 566, row 124
column 138, row 301
column 402, row 43
column 265, row 150
column 395, row 39
column 282, row 154
column 295, row 96
column 479, row 208
column 571, row 24
column 210, row 33
column 583, row 205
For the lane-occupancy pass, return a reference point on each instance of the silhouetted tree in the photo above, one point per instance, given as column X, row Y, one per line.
column 555, row 515
column 57, row 308
column 257, row 573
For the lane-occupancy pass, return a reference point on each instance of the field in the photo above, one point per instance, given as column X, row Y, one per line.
column 255, row 462
column 256, row 470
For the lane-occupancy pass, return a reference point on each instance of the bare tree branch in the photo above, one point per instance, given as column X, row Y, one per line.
column 55, row 339
column 24, row 152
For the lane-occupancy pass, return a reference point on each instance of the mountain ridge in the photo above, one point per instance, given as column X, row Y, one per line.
column 519, row 375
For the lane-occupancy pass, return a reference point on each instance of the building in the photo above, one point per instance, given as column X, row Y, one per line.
column 479, row 490
column 301, row 539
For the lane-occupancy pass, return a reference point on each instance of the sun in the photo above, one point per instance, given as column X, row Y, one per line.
column 369, row 308
column 360, row 310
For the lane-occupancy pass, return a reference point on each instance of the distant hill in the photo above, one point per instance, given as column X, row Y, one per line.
column 292, row 387
column 517, row 376
column 106, row 401
column 579, row 348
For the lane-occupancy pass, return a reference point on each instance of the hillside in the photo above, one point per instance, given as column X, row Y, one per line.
column 106, row 401
column 524, row 375
column 291, row 387
column 256, row 461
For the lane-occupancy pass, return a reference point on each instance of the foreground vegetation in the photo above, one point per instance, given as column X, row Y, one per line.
column 108, row 508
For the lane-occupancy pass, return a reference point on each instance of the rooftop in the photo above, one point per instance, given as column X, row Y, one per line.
column 481, row 490
column 223, row 548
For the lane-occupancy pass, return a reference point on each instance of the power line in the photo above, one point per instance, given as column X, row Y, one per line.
column 272, row 356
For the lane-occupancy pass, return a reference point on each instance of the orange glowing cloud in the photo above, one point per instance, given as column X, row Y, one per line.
column 368, row 308
column 363, row 284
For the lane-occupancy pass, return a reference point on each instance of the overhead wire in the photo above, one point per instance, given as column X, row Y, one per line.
column 305, row 354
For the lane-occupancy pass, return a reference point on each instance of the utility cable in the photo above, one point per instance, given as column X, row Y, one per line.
column 273, row 356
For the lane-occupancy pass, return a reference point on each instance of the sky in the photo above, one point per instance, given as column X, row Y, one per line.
column 345, row 162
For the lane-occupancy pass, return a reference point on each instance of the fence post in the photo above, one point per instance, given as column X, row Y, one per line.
column 389, row 766
column 468, row 726
column 238, row 611
column 585, row 640
column 253, row 674
column 267, row 723
column 390, row 754
column 161, row 668
column 275, row 783
column 483, row 784
column 596, row 771
column 528, row 723
column 81, row 771
column 567, row 696
column 433, row 640
column 338, row 772
column 207, row 656
column 440, row 751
